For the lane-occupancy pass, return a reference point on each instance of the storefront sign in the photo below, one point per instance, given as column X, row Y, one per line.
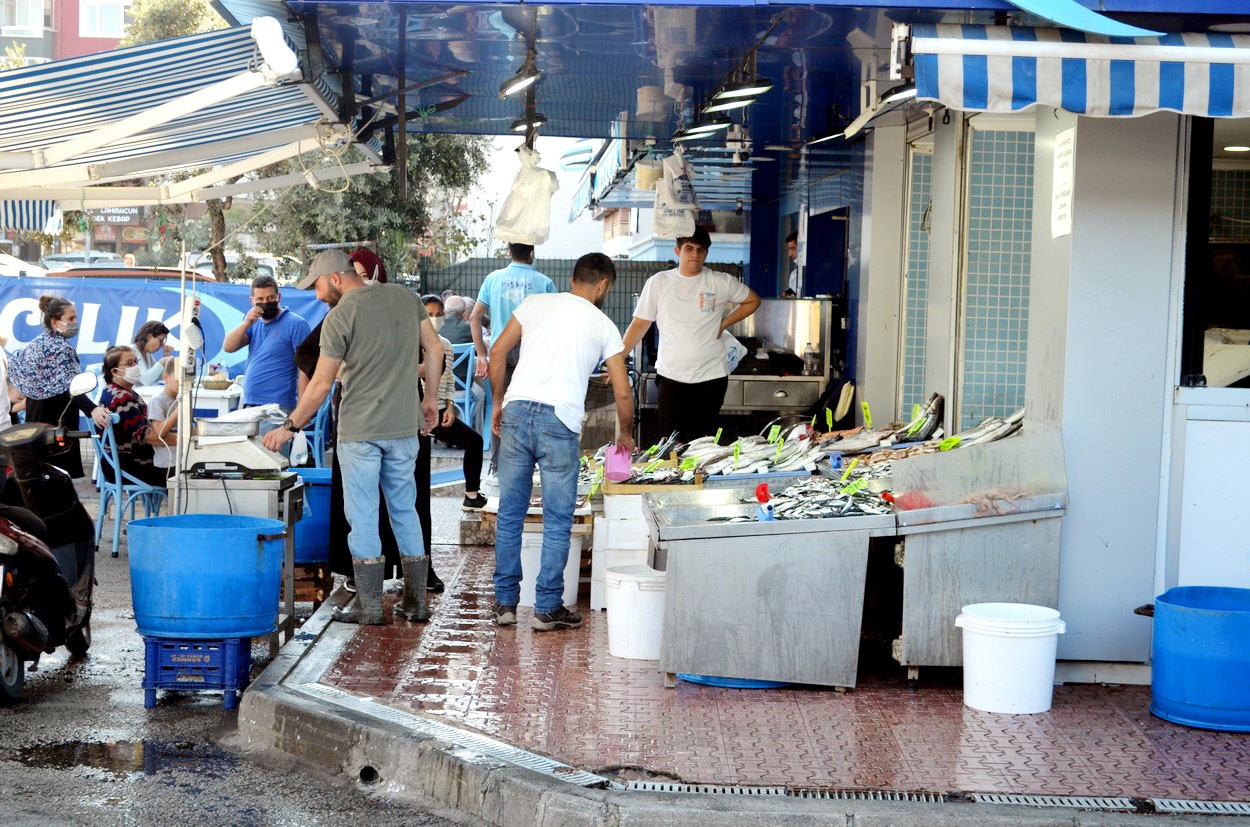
column 116, row 215
column 111, row 310
column 1062, row 183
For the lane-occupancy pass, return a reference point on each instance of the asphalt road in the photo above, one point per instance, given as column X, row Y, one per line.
column 81, row 749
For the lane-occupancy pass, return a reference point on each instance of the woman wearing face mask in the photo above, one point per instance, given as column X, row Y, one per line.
column 42, row 372
column 152, row 352
column 134, row 433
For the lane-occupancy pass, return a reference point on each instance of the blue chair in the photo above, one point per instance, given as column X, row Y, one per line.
column 466, row 403
column 320, row 428
column 124, row 490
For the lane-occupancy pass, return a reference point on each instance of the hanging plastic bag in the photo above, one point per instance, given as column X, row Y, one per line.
column 526, row 214
column 734, row 350
column 675, row 201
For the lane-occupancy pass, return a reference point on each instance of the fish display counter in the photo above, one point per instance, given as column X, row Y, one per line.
column 767, row 600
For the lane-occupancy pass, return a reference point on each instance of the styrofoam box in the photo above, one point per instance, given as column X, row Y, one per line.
column 625, row 533
column 623, row 507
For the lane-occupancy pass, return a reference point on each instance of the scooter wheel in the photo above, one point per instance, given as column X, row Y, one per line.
column 12, row 674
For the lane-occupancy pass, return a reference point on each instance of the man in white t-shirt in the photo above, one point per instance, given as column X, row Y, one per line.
column 688, row 305
column 538, row 422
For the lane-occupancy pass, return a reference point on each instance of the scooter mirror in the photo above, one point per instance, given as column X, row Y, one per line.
column 83, row 383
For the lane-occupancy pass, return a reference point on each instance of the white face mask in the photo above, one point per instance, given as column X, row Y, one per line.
column 132, row 374
column 437, row 321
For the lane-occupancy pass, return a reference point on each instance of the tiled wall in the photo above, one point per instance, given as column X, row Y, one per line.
column 1230, row 205
column 998, row 260
column 916, row 284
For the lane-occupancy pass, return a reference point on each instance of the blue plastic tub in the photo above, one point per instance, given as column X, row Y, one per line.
column 1201, row 658
column 312, row 533
column 205, row 576
column 731, row 683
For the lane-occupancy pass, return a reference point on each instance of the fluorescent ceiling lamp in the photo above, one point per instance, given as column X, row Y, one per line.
column 526, row 76
column 899, row 93
column 727, row 104
column 709, row 125
column 825, row 138
column 744, row 89
column 523, row 124
column 1237, row 149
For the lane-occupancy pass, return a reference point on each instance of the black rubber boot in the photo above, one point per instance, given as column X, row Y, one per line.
column 412, row 605
column 367, row 609
column 432, row 581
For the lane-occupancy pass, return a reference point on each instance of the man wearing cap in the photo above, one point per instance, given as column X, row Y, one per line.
column 271, row 333
column 374, row 334
column 688, row 304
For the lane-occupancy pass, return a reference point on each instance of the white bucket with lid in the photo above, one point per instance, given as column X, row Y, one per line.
column 1009, row 656
column 635, row 598
column 532, row 563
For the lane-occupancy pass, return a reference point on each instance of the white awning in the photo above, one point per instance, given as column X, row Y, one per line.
column 1012, row 68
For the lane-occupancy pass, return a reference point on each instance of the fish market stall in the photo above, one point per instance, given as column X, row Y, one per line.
column 977, row 525
column 766, row 600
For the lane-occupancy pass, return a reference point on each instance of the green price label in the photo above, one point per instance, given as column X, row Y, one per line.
column 689, row 464
column 829, row 418
column 652, row 450
column 777, row 456
column 737, row 453
column 581, row 460
column 915, row 426
column 948, row 443
column 773, row 433
column 716, row 439
column 867, row 414
column 813, row 420
column 915, row 411
column 598, row 480
column 855, row 486
column 654, row 464
column 849, row 469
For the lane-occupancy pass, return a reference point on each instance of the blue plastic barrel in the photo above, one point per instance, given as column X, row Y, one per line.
column 205, row 576
column 1201, row 658
column 312, row 532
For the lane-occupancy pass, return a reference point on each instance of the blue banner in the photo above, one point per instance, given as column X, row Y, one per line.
column 111, row 310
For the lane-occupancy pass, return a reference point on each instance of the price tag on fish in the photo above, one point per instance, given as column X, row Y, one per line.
column 689, row 464
column 773, row 433
column 716, row 439
column 598, row 479
column 777, row 456
column 651, row 466
column 814, row 420
column 849, row 469
column 829, row 418
column 855, row 486
column 737, row 453
column 948, row 443
column 867, row 414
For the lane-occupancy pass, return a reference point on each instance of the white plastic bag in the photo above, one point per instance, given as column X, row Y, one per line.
column 526, row 214
column 299, row 447
column 734, row 350
column 675, row 201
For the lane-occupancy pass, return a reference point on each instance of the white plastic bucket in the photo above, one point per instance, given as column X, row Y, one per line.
column 1009, row 656
column 532, row 561
column 635, row 597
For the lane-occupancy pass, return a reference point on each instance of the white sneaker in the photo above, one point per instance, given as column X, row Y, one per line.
column 489, row 486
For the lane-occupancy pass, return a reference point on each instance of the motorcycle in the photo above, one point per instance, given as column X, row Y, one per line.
column 47, row 552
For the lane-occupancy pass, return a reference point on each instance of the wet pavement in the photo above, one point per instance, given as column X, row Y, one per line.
column 561, row 694
column 81, row 749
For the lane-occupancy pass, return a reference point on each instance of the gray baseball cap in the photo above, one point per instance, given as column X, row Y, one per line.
column 326, row 262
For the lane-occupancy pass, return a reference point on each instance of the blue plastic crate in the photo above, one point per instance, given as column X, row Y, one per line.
column 196, row 665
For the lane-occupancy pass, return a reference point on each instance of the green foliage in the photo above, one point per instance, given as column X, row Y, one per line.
column 14, row 56
column 441, row 168
column 153, row 20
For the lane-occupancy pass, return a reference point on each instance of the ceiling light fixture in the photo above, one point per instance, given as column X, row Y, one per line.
column 525, row 76
column 728, row 104
column 1237, row 149
column 904, row 92
column 709, row 125
column 744, row 88
column 523, row 124
column 831, row 136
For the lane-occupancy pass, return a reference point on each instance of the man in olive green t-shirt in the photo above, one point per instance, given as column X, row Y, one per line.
column 374, row 333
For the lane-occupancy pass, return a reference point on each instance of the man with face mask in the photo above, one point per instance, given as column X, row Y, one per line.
column 562, row 337
column 271, row 333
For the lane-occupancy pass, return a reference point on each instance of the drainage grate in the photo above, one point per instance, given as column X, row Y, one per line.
column 483, row 745
column 716, row 789
column 831, row 794
column 1175, row 805
column 1075, row 801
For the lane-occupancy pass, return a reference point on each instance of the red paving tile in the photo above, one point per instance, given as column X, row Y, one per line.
column 562, row 694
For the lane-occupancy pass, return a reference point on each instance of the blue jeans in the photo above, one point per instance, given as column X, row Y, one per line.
column 533, row 434
column 391, row 463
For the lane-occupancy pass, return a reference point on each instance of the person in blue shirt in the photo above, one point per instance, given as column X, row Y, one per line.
column 271, row 333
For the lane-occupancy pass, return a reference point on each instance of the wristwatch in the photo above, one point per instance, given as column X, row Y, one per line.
column 290, row 426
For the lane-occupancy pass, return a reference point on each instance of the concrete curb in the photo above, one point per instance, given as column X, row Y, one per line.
column 281, row 711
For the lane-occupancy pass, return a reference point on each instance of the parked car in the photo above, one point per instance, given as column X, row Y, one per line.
column 57, row 262
column 109, row 271
column 14, row 267
column 278, row 267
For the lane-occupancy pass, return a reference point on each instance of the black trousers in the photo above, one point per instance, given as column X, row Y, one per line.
column 690, row 409
column 460, row 435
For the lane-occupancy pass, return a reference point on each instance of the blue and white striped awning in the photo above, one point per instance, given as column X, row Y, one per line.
column 26, row 216
column 1009, row 69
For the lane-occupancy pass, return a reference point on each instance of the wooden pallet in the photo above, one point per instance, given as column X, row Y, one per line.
column 313, row 583
column 533, row 522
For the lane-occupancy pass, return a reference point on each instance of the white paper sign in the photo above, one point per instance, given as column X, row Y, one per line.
column 1062, row 182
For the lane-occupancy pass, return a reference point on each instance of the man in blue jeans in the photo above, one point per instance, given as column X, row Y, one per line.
column 563, row 337
column 374, row 333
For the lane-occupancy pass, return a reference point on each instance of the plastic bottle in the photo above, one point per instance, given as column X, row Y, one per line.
column 811, row 366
